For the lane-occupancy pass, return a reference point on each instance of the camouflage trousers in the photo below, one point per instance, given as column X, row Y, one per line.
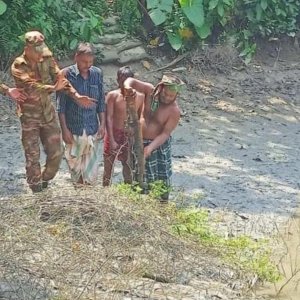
column 35, row 131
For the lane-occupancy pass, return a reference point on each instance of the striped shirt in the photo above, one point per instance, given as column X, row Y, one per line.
column 79, row 118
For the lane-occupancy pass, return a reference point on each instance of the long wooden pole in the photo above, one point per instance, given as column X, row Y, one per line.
column 137, row 162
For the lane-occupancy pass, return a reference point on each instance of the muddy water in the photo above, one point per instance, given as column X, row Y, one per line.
column 288, row 288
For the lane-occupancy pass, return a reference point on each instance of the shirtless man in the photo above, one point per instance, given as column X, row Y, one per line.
column 116, row 137
column 161, row 116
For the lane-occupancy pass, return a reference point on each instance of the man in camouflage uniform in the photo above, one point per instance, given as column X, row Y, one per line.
column 37, row 73
column 14, row 93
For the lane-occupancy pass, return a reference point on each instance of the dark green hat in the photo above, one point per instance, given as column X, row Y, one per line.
column 172, row 82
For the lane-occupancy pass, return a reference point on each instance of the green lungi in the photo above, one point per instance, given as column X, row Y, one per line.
column 158, row 165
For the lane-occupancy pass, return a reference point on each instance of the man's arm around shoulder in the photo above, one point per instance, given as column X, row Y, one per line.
column 141, row 86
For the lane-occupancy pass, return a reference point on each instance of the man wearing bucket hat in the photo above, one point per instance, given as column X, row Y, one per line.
column 37, row 73
column 161, row 116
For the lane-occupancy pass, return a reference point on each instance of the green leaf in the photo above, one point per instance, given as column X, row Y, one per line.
column 223, row 21
column 253, row 48
column 73, row 44
column 245, row 52
column 152, row 4
column 166, row 7
column 228, row 2
column 248, row 59
column 259, row 12
column 193, row 9
column 246, row 33
column 213, row 4
column 250, row 15
column 204, row 31
column 85, row 31
column 157, row 16
column 166, row 3
column 221, row 10
column 264, row 4
column 174, row 40
column 3, row 7
column 94, row 21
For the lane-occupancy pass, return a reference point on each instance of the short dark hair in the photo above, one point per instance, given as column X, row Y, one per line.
column 85, row 48
column 125, row 72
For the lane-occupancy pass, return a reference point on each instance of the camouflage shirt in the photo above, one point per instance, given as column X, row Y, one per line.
column 3, row 88
column 35, row 82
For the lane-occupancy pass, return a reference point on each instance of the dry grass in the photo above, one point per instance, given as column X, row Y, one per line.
column 95, row 244
column 217, row 58
column 289, row 260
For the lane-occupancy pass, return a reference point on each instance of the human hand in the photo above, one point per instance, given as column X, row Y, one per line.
column 114, row 145
column 85, row 101
column 61, row 83
column 67, row 136
column 129, row 92
column 17, row 94
column 147, row 151
column 100, row 133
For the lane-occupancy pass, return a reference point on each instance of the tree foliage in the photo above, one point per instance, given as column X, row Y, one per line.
column 186, row 21
column 63, row 22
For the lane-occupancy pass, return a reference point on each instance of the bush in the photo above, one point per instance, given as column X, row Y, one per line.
column 63, row 22
column 186, row 22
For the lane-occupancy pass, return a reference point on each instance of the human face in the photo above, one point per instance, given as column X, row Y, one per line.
column 34, row 55
column 84, row 62
column 167, row 96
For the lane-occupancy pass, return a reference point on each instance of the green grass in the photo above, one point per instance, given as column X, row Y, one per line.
column 193, row 224
column 242, row 251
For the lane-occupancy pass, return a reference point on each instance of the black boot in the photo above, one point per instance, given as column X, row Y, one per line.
column 164, row 198
column 36, row 188
column 44, row 184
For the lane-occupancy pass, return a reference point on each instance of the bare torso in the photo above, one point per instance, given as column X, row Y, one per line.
column 118, row 107
column 153, row 123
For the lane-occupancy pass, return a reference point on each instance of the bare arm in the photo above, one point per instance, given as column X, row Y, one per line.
column 101, row 117
column 110, row 101
column 61, row 109
column 59, row 75
column 61, row 83
column 101, row 130
column 140, row 86
column 62, row 121
column 66, row 133
column 170, row 125
column 140, row 104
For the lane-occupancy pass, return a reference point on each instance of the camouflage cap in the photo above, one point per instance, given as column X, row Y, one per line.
column 36, row 40
column 172, row 82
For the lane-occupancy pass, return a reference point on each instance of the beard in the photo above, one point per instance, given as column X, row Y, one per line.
column 163, row 100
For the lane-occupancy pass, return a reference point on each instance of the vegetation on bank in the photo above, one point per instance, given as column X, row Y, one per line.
column 92, row 243
column 184, row 22
column 193, row 224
